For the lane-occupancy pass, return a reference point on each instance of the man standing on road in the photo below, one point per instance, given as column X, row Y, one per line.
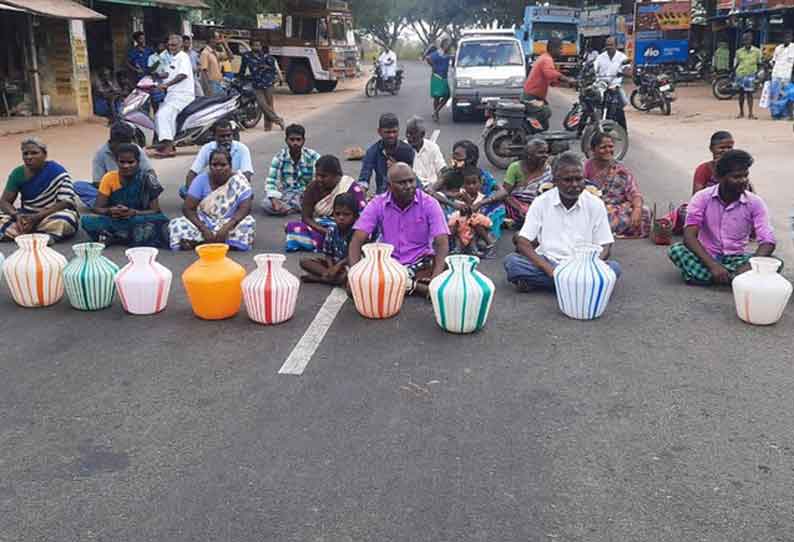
column 412, row 222
column 610, row 66
column 439, row 59
column 556, row 222
column 264, row 73
column 291, row 171
column 210, row 64
column 429, row 161
column 543, row 74
column 783, row 61
column 179, row 89
column 187, row 46
column 224, row 139
column 747, row 63
column 382, row 155
column 719, row 222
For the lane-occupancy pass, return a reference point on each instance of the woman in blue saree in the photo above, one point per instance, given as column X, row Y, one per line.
column 48, row 201
column 127, row 209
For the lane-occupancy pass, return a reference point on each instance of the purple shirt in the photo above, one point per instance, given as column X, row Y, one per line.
column 410, row 231
column 725, row 230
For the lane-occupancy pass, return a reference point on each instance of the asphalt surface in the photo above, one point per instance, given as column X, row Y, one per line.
column 668, row 419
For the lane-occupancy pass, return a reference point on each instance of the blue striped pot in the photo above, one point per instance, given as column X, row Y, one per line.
column 89, row 278
column 584, row 283
column 461, row 295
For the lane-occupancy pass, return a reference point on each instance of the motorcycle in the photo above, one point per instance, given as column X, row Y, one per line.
column 510, row 124
column 193, row 124
column 696, row 68
column 377, row 83
column 595, row 111
column 248, row 114
column 653, row 90
column 724, row 85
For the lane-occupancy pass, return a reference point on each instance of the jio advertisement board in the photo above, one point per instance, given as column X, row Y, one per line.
column 661, row 32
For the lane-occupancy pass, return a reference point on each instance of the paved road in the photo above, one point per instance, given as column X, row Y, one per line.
column 668, row 419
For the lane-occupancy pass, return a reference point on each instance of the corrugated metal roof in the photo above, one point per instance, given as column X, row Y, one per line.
column 61, row 9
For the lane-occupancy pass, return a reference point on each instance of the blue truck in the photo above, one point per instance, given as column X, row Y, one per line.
column 543, row 22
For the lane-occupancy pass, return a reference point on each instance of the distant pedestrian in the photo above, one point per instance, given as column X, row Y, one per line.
column 783, row 64
column 264, row 72
column 722, row 58
column 439, row 60
column 210, row 64
column 747, row 63
column 187, row 46
column 138, row 56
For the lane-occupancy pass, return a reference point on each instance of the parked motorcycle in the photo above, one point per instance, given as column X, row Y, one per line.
column 249, row 113
column 377, row 83
column 696, row 68
column 724, row 85
column 595, row 111
column 193, row 124
column 510, row 124
column 653, row 90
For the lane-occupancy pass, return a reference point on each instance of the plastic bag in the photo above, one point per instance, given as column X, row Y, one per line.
column 764, row 101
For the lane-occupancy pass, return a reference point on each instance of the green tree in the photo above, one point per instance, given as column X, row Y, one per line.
column 240, row 12
column 382, row 20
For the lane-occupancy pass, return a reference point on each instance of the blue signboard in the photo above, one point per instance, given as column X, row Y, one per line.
column 661, row 51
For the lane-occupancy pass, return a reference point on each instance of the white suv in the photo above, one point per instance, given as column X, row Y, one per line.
column 489, row 65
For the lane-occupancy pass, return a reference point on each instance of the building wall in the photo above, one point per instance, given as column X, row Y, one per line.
column 64, row 66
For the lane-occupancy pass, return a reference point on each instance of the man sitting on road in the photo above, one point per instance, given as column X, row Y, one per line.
column 382, row 155
column 610, row 66
column 412, row 222
column 429, row 161
column 544, row 74
column 179, row 89
column 105, row 161
column 556, row 222
column 224, row 138
column 291, row 171
column 719, row 222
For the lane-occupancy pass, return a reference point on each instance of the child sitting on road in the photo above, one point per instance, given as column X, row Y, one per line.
column 470, row 229
column 332, row 267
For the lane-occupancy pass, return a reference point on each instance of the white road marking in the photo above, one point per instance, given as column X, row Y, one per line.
column 434, row 135
column 303, row 352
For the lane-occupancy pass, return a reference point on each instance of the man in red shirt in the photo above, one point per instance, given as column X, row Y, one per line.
column 544, row 73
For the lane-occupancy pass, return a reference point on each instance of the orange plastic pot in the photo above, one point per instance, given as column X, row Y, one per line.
column 213, row 283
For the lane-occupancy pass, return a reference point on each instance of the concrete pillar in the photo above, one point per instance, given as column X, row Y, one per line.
column 81, row 79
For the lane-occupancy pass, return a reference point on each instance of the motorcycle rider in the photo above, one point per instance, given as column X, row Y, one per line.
column 543, row 74
column 180, row 91
column 610, row 66
column 388, row 66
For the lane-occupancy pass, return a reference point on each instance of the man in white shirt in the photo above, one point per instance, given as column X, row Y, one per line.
column 388, row 64
column 610, row 66
column 180, row 91
column 556, row 222
column 428, row 161
column 224, row 137
column 783, row 60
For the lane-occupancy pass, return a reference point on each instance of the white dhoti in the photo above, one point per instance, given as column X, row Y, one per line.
column 167, row 113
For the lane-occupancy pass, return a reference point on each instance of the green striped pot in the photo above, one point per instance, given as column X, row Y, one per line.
column 88, row 278
column 461, row 295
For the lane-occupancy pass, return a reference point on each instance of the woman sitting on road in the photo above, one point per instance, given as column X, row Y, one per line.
column 466, row 153
column 49, row 202
column 721, row 142
column 127, row 206
column 217, row 208
column 524, row 180
column 628, row 217
column 318, row 205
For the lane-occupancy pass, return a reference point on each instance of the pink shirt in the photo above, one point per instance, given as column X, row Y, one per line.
column 410, row 231
column 725, row 230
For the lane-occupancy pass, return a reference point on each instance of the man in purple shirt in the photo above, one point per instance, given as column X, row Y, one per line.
column 718, row 225
column 409, row 220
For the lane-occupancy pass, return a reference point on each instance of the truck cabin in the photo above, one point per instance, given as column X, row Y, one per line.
column 542, row 23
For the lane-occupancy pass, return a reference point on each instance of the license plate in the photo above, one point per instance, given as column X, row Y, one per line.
column 665, row 88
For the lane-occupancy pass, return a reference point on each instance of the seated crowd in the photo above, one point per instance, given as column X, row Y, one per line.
column 421, row 204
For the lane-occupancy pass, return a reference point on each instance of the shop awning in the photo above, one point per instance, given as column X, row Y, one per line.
column 60, row 9
column 183, row 5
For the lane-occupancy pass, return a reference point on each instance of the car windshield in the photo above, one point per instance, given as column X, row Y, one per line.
column 340, row 29
column 564, row 31
column 489, row 53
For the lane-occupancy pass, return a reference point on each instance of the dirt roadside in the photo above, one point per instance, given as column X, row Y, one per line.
column 74, row 146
